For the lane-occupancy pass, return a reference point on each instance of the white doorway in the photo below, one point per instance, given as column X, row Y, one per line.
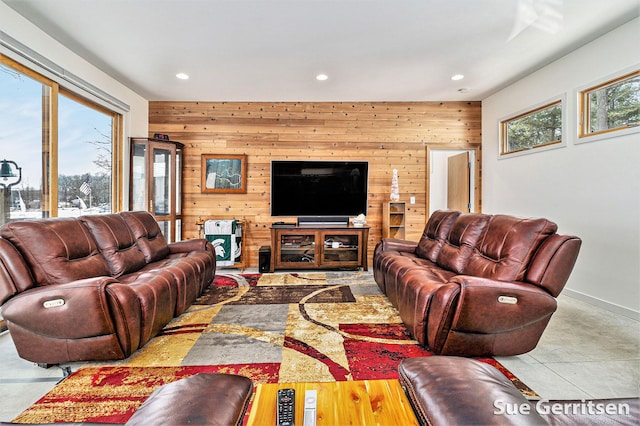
column 438, row 158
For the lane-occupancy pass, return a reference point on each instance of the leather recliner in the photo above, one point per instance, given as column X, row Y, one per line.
column 477, row 284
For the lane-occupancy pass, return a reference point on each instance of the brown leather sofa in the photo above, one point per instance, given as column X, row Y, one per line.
column 95, row 287
column 449, row 390
column 477, row 284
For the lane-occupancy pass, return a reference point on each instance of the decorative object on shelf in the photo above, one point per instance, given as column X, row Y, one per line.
column 359, row 220
column 395, row 191
column 226, row 174
column 161, row 136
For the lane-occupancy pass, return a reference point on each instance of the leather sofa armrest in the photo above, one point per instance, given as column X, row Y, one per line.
column 202, row 399
column 489, row 306
column 198, row 244
column 449, row 390
column 396, row 244
column 75, row 310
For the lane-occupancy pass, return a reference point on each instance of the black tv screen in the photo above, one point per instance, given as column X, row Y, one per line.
column 318, row 188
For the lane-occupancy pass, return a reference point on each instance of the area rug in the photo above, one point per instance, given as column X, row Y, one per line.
column 283, row 327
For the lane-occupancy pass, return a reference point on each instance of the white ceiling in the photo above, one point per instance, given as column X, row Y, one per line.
column 372, row 50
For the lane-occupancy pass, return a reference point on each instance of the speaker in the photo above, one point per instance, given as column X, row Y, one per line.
column 264, row 259
column 322, row 220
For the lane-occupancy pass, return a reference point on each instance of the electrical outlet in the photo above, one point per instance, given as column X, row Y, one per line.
column 412, row 200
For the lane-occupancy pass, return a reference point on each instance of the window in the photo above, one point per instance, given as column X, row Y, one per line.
column 85, row 142
column 23, row 114
column 66, row 148
column 611, row 106
column 533, row 129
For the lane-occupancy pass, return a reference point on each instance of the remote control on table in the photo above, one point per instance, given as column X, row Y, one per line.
column 310, row 404
column 286, row 407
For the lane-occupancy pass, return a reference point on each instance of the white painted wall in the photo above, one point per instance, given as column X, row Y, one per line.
column 591, row 190
column 136, row 121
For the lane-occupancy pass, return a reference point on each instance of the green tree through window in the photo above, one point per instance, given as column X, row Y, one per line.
column 540, row 127
column 611, row 106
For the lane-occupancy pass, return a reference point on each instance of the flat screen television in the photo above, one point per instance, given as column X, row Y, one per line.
column 319, row 188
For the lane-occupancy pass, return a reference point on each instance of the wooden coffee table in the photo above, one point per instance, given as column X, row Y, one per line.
column 361, row 402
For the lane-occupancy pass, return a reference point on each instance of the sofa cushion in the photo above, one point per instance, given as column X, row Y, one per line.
column 57, row 250
column 117, row 243
column 147, row 234
column 186, row 279
column 461, row 240
column 506, row 247
column 435, row 232
column 157, row 293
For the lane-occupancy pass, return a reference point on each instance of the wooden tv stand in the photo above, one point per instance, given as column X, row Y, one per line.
column 319, row 247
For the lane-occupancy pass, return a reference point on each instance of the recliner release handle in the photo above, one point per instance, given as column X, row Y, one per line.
column 53, row 303
column 509, row 300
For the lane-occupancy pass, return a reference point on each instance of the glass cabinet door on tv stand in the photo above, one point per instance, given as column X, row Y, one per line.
column 341, row 248
column 297, row 249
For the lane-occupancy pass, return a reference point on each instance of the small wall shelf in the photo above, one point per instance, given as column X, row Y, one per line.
column 393, row 220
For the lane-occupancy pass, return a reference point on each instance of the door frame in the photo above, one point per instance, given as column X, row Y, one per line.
column 476, row 166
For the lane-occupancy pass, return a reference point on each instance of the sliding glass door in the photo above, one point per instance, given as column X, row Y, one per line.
column 58, row 151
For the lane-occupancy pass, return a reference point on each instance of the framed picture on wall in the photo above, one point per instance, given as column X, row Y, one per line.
column 224, row 173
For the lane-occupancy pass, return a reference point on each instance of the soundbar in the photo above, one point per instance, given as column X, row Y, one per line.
column 322, row 220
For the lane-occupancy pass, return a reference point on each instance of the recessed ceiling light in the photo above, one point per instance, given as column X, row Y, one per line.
column 322, row 77
column 457, row 77
column 182, row 76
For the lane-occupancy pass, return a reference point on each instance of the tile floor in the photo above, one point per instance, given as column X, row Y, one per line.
column 586, row 352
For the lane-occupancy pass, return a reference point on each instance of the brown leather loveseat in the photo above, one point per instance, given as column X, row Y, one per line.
column 95, row 287
column 477, row 284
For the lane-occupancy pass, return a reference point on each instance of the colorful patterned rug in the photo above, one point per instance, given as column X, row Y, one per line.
column 283, row 327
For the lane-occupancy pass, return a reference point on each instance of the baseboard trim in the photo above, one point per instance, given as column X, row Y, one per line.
column 611, row 307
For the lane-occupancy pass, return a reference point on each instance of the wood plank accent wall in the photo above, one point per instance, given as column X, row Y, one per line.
column 387, row 134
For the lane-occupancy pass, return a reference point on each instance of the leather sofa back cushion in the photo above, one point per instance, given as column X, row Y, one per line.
column 117, row 243
column 148, row 235
column 57, row 250
column 463, row 236
column 506, row 247
column 435, row 231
